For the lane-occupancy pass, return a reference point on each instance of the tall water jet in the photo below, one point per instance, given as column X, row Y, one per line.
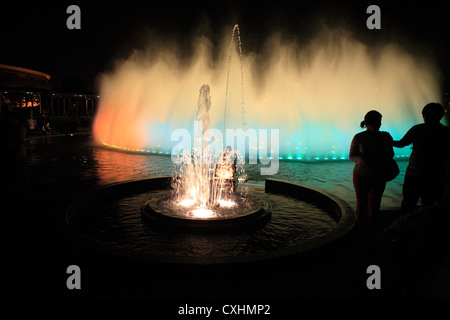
column 236, row 31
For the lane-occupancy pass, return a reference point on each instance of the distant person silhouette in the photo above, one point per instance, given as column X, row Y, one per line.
column 429, row 161
column 14, row 171
column 369, row 150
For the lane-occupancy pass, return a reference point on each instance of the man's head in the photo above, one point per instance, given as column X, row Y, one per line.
column 433, row 112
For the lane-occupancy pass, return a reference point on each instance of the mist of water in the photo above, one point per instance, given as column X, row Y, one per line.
column 316, row 94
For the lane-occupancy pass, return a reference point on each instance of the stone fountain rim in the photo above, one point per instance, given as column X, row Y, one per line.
column 152, row 213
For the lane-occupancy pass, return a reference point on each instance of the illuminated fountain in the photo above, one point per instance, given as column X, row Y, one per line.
column 315, row 96
column 204, row 184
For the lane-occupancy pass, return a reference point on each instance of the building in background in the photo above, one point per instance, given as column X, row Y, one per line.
column 30, row 93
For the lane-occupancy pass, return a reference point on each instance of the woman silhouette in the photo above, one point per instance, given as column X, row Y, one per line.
column 369, row 150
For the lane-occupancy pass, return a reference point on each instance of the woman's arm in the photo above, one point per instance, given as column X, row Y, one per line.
column 354, row 154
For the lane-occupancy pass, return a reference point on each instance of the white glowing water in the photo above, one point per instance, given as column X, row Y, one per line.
column 202, row 213
column 199, row 180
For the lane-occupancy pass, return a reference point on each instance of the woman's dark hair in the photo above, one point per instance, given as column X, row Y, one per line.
column 372, row 117
column 433, row 112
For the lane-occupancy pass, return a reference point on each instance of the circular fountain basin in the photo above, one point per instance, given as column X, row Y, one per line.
column 121, row 219
column 247, row 211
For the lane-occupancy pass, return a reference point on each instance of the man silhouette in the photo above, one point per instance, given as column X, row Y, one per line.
column 429, row 161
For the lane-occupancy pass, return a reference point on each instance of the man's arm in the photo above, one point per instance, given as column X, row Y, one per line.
column 407, row 139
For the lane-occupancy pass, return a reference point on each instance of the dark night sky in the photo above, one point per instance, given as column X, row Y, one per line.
column 34, row 35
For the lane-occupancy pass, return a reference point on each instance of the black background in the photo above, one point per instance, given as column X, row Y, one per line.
column 34, row 34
